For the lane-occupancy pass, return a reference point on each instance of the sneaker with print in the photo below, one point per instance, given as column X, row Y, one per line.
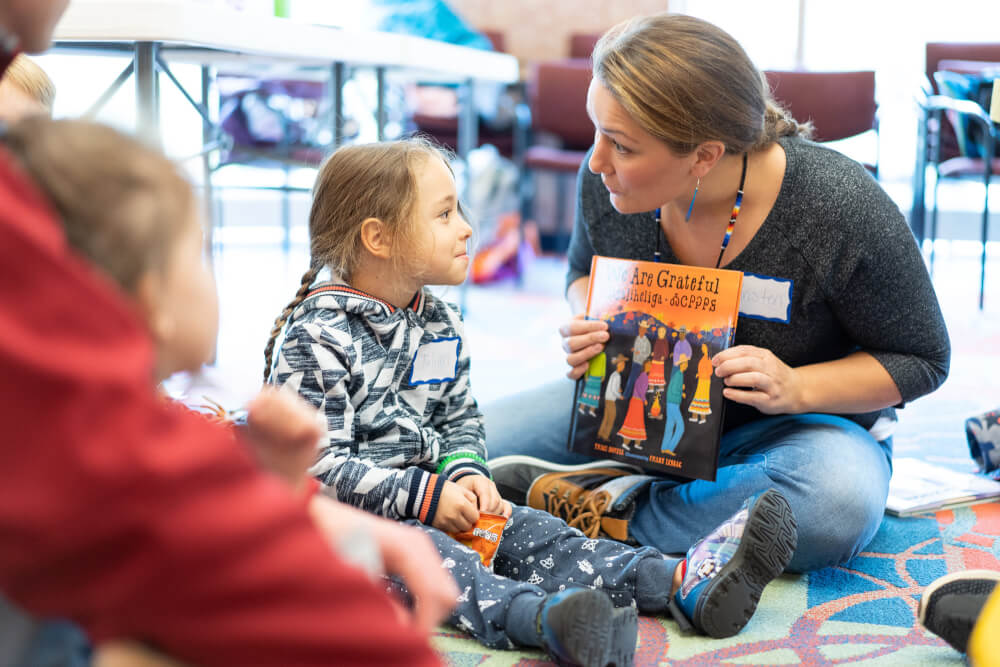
column 725, row 573
column 581, row 627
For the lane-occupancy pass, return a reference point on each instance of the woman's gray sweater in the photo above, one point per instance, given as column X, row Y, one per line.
column 858, row 280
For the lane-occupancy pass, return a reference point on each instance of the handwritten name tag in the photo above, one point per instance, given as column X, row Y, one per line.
column 435, row 362
column 766, row 298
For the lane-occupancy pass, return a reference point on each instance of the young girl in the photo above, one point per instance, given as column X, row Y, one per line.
column 388, row 363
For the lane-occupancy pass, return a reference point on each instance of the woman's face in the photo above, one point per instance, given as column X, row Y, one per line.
column 639, row 171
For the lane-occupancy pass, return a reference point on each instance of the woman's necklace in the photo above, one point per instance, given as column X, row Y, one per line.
column 729, row 228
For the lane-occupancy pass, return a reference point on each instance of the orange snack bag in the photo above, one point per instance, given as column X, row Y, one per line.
column 484, row 538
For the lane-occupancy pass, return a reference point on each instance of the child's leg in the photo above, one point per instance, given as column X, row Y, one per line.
column 579, row 626
column 542, row 550
column 720, row 580
column 490, row 607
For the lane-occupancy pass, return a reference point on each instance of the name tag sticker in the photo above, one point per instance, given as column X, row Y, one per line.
column 766, row 298
column 435, row 362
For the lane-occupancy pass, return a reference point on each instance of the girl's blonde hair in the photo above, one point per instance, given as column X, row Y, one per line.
column 122, row 204
column 686, row 81
column 32, row 79
column 356, row 183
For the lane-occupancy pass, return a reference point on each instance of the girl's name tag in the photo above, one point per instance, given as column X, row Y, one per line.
column 435, row 362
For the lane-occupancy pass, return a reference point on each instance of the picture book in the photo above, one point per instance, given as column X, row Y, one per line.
column 917, row 487
column 651, row 398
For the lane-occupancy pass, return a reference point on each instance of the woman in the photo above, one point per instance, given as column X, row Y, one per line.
column 693, row 161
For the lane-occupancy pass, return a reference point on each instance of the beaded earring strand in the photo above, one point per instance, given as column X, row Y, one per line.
column 729, row 228
column 687, row 216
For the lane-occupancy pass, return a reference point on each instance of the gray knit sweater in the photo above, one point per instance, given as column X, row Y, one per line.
column 858, row 278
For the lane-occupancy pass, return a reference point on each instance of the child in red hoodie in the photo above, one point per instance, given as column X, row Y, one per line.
column 121, row 511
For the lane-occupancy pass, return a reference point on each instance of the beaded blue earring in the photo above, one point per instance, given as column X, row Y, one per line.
column 697, row 185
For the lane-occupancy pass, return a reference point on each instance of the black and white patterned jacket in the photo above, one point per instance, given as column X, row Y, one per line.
column 393, row 440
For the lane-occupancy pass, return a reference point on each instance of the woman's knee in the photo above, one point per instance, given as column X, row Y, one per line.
column 836, row 526
column 837, row 486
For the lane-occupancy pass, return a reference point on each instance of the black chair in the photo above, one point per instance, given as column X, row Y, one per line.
column 977, row 139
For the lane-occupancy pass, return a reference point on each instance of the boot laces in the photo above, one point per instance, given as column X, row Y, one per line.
column 584, row 515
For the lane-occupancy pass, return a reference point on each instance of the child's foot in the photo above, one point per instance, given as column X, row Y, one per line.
column 580, row 626
column 726, row 572
column 951, row 604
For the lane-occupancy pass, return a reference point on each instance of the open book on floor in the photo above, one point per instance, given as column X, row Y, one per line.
column 651, row 398
column 917, row 487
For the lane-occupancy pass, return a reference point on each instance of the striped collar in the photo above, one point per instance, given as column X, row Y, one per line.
column 416, row 304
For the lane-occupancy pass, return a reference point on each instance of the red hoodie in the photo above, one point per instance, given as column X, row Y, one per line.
column 140, row 520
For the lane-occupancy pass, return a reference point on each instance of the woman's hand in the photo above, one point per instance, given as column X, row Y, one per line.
column 487, row 493
column 582, row 340
column 755, row 377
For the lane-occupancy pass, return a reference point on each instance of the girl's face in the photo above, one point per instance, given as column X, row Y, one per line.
column 443, row 234
column 639, row 171
column 182, row 306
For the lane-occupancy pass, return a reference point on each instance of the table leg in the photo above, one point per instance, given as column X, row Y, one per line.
column 147, row 98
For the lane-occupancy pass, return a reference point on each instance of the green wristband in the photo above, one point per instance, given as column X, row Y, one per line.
column 461, row 455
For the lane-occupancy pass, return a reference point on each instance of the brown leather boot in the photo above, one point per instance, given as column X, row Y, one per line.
column 596, row 498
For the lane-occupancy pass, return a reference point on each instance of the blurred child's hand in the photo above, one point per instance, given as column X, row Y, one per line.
column 487, row 494
column 457, row 509
column 283, row 431
column 402, row 551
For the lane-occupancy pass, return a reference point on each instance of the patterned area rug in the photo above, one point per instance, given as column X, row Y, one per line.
column 861, row 612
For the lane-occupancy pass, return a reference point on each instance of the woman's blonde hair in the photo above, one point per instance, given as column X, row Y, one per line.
column 686, row 81
column 356, row 183
column 32, row 79
column 123, row 205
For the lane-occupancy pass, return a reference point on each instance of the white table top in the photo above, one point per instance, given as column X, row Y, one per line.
column 224, row 30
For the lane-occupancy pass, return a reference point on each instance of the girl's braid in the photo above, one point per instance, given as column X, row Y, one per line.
column 307, row 280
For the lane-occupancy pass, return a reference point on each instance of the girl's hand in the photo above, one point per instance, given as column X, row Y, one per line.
column 755, row 377
column 457, row 509
column 487, row 493
column 582, row 340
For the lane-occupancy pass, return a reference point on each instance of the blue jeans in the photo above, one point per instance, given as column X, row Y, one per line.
column 834, row 474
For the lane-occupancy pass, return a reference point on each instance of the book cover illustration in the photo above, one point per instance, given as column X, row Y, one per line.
column 651, row 398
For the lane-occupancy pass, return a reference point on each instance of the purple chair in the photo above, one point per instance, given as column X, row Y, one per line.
column 838, row 104
column 561, row 134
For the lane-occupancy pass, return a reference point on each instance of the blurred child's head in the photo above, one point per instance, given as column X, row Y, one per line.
column 390, row 204
column 25, row 90
column 127, row 209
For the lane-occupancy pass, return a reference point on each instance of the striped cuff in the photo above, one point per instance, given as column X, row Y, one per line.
column 426, row 498
column 461, row 464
